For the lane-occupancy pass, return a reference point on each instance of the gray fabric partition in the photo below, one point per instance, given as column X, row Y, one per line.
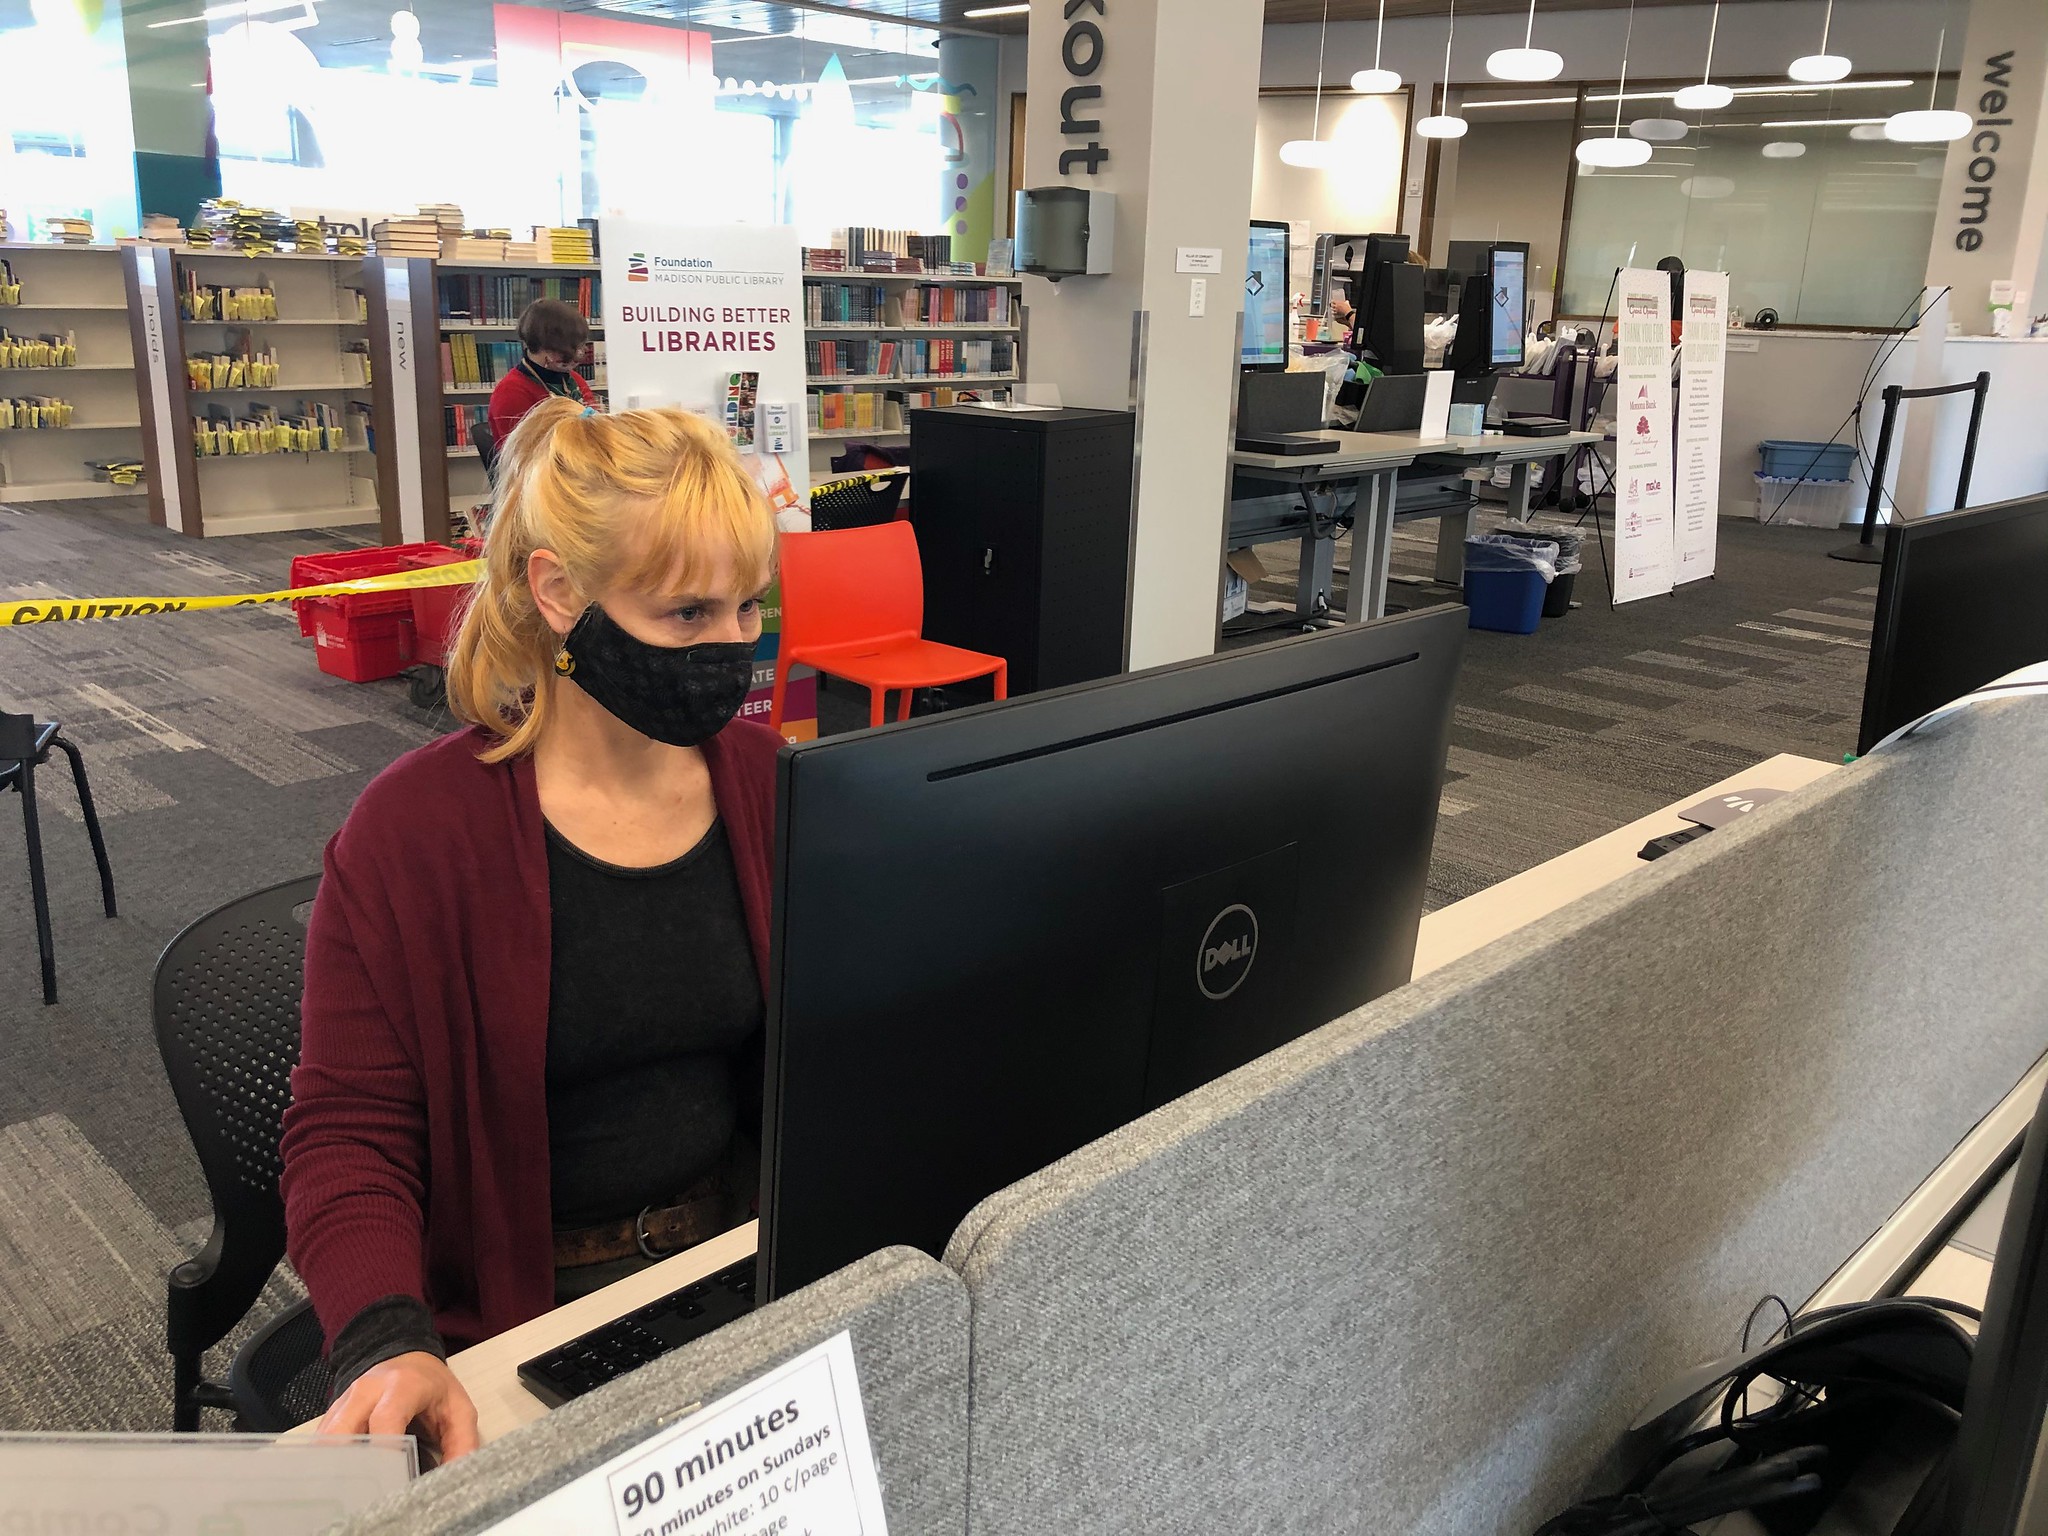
column 1413, row 1272
column 908, row 1317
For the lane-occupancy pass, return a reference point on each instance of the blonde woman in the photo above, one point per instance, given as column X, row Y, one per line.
column 534, row 974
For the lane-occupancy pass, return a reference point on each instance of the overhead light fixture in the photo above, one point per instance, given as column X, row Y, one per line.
column 1874, row 129
column 1706, row 96
column 1606, row 152
column 1659, row 130
column 1706, row 189
column 1934, row 125
column 996, row 10
column 1821, row 68
column 1311, row 153
column 1377, row 81
column 1614, row 150
column 239, row 10
column 1852, row 123
column 1783, row 149
column 1445, row 125
column 1525, row 62
column 1524, row 101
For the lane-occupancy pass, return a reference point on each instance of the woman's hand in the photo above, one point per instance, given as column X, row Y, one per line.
column 414, row 1393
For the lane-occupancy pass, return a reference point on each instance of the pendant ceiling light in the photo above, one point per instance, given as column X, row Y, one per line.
column 1933, row 125
column 1821, row 68
column 1525, row 62
column 1706, row 96
column 1311, row 153
column 1377, row 81
column 1783, row 149
column 1613, row 149
column 1659, row 130
column 1445, row 125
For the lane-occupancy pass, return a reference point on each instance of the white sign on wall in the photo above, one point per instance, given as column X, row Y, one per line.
column 1642, row 427
column 786, row 1454
column 1696, row 510
column 712, row 320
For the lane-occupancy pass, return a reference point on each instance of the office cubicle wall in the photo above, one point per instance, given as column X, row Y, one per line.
column 908, row 1319
column 1413, row 1272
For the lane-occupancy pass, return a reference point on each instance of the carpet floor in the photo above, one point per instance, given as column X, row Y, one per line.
column 222, row 760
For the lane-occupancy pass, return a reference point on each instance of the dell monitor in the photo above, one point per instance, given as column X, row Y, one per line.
column 1492, row 307
column 1960, row 601
column 1264, row 345
column 1003, row 932
column 1508, row 310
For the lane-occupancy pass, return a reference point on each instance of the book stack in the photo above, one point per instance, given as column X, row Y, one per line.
column 872, row 248
column 525, row 253
column 565, row 245
column 10, row 285
column 63, row 231
column 308, row 238
column 351, row 245
column 118, row 471
column 472, row 248
column 224, row 222
column 415, row 236
column 845, row 304
column 946, row 304
column 6, row 227
column 161, row 229
column 849, row 359
column 447, row 218
column 824, row 258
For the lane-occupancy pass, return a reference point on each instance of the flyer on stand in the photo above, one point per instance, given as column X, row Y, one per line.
column 1642, row 427
column 1696, row 514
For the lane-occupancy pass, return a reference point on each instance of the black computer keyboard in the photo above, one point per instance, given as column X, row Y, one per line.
column 627, row 1343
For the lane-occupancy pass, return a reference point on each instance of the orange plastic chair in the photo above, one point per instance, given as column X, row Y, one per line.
column 853, row 606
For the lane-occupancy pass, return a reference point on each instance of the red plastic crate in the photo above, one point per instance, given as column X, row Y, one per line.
column 360, row 647
column 436, row 611
column 348, row 565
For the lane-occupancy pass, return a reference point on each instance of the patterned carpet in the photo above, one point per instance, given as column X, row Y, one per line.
column 222, row 760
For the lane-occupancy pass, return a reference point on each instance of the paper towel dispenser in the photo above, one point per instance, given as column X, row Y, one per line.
column 1065, row 231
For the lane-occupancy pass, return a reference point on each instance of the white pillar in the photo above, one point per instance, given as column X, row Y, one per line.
column 1156, row 101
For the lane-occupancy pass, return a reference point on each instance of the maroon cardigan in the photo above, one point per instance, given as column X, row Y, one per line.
column 416, row 1144
column 516, row 394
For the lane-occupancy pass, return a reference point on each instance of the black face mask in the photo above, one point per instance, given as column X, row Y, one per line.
column 679, row 694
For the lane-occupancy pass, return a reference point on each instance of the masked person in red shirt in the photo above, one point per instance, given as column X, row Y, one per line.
column 553, row 336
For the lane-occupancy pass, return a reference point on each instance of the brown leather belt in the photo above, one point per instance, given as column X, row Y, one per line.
column 655, row 1233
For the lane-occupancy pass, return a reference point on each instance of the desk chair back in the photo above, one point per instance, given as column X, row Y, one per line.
column 227, row 1025
column 851, row 585
column 486, row 448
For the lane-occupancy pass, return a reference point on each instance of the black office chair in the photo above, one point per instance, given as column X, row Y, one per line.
column 486, row 448
column 25, row 746
column 227, row 1024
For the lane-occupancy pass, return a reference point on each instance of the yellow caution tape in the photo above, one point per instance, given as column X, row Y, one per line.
column 60, row 609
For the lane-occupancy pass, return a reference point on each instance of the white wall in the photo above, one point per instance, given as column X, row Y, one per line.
column 1889, row 35
column 1360, row 195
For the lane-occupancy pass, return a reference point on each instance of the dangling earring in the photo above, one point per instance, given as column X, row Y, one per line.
column 565, row 664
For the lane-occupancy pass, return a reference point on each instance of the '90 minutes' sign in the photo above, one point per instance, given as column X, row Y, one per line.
column 785, row 1455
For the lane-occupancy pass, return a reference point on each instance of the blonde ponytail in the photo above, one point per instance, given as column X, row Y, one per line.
column 645, row 498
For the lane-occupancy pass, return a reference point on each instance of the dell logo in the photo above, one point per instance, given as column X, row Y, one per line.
column 1227, row 951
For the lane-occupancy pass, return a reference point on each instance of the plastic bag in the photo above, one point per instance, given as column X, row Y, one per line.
column 1506, row 552
column 1568, row 546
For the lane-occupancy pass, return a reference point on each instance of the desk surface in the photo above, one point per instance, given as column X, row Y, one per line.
column 1501, row 447
column 1396, row 450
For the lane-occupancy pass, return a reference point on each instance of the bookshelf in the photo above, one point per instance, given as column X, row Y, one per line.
column 908, row 336
column 74, row 291
column 254, row 386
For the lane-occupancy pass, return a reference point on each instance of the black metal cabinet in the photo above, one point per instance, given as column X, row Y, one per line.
column 1024, row 524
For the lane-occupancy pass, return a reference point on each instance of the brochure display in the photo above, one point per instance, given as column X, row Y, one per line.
column 1702, row 367
column 1642, row 426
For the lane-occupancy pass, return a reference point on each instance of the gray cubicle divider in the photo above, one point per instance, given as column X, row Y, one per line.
column 1413, row 1272
column 908, row 1317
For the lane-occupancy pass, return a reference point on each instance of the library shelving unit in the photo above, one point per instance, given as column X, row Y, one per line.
column 913, row 313
column 75, row 291
column 317, row 342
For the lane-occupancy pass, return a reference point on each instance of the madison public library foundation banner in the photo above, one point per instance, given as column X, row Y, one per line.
column 1642, row 426
column 1696, row 511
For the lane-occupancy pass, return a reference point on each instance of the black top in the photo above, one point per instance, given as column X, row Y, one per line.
column 654, row 1027
column 654, row 1052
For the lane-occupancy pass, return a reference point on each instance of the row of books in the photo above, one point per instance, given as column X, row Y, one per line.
column 926, row 399
column 950, row 304
column 264, row 429
column 54, row 350
column 203, row 301
column 10, row 287
column 34, row 413
column 849, row 359
column 500, row 300
column 943, row 355
column 846, row 304
column 460, row 420
column 230, row 370
column 862, row 410
column 467, row 360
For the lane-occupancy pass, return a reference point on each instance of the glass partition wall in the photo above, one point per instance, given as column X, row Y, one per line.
column 1793, row 190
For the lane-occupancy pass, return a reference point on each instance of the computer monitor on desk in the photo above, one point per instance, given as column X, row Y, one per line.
column 1001, row 933
column 1493, row 306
